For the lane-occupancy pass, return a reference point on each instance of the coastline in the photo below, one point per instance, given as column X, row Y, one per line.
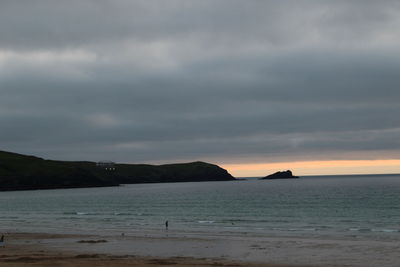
column 23, row 172
column 42, row 249
column 312, row 222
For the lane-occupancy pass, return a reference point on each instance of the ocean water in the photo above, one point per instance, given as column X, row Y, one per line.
column 362, row 207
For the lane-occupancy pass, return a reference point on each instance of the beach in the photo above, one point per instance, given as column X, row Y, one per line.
column 165, row 248
column 199, row 133
column 34, row 249
column 312, row 221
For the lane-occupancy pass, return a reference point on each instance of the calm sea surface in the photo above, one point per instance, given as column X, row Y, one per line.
column 366, row 207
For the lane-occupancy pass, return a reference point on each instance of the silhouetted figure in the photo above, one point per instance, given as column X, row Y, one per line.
column 166, row 225
column 2, row 240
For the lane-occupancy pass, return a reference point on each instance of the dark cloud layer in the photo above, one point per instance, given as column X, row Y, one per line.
column 226, row 81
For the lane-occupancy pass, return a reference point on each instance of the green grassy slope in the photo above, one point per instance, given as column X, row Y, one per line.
column 183, row 172
column 18, row 172
column 28, row 172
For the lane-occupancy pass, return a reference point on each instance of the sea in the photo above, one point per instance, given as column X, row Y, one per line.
column 344, row 207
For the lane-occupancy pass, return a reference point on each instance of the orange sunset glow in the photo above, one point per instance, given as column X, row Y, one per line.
column 317, row 167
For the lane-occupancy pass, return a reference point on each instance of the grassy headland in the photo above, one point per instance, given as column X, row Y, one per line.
column 22, row 172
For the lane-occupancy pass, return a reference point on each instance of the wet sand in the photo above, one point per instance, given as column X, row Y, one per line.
column 36, row 249
column 158, row 249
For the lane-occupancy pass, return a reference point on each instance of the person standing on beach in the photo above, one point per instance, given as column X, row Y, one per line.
column 166, row 225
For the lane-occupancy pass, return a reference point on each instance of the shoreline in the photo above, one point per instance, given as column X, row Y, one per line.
column 42, row 249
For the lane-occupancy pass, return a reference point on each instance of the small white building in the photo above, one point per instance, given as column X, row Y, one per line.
column 107, row 165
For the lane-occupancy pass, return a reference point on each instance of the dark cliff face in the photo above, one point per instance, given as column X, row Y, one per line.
column 21, row 172
column 280, row 175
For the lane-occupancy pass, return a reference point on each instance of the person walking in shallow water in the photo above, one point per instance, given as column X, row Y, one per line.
column 166, row 225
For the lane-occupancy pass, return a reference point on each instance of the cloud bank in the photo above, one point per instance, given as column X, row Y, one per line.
column 225, row 81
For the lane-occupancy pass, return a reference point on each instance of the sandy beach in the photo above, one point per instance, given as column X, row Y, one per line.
column 156, row 249
column 28, row 249
column 317, row 222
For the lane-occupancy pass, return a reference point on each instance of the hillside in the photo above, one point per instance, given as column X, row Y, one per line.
column 21, row 172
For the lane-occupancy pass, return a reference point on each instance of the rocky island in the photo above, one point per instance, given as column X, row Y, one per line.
column 22, row 172
column 280, row 175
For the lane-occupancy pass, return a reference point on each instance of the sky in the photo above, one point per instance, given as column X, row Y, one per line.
column 254, row 86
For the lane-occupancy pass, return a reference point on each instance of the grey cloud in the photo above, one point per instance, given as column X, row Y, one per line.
column 61, row 24
column 161, row 81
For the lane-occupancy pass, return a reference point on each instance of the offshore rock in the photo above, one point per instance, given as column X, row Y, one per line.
column 280, row 175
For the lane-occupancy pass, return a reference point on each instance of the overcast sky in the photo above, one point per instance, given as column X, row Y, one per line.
column 223, row 81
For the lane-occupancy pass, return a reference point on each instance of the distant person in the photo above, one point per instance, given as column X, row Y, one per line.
column 2, row 241
column 166, row 225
